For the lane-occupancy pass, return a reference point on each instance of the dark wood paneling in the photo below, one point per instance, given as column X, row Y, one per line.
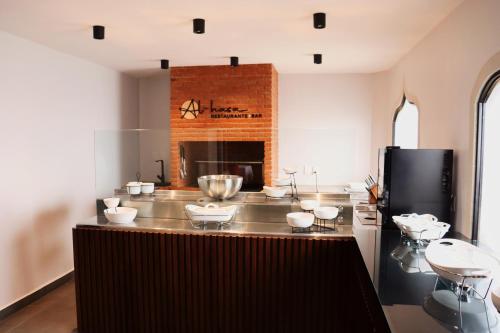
column 130, row 281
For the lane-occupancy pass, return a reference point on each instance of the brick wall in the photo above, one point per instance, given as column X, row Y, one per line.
column 251, row 87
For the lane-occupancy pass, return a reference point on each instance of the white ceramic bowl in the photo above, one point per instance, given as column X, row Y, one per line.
column 281, row 181
column 289, row 171
column 299, row 219
column 309, row 204
column 326, row 213
column 134, row 187
column 211, row 213
column 453, row 259
column 275, row 192
column 111, row 202
column 120, row 214
column 147, row 188
column 426, row 226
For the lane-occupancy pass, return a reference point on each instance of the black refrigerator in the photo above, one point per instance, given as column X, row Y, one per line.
column 415, row 181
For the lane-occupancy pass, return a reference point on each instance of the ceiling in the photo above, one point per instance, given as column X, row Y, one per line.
column 362, row 36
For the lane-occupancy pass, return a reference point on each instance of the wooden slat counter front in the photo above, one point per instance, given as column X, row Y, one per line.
column 135, row 280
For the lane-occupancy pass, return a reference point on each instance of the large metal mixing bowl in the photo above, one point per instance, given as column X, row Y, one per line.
column 220, row 186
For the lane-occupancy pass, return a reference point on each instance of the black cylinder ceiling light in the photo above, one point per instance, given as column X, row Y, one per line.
column 98, row 31
column 235, row 61
column 318, row 58
column 319, row 20
column 164, row 63
column 199, row 26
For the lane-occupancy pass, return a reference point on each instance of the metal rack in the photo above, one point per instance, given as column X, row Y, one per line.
column 466, row 293
column 320, row 225
column 203, row 225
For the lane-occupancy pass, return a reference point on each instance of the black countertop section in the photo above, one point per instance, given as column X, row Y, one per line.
column 404, row 282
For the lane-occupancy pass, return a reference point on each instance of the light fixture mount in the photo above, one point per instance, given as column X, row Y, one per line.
column 98, row 31
column 199, row 26
column 319, row 20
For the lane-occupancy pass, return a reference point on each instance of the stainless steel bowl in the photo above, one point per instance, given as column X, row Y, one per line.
column 220, row 186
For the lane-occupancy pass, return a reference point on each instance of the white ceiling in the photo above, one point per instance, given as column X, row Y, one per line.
column 362, row 36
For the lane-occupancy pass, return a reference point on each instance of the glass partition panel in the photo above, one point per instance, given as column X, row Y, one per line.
column 122, row 156
column 327, row 157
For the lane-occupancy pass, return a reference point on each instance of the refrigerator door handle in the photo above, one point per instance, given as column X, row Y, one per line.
column 452, row 197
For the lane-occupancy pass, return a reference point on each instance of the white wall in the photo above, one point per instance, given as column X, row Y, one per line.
column 325, row 122
column 154, row 107
column 440, row 75
column 50, row 104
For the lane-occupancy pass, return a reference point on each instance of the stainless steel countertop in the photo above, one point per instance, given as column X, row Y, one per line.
column 235, row 228
column 251, row 206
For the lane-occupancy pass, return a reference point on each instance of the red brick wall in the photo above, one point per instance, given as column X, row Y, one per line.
column 252, row 87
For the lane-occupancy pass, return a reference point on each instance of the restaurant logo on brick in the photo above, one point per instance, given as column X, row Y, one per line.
column 190, row 109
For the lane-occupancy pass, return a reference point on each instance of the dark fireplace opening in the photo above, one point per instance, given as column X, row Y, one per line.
column 242, row 158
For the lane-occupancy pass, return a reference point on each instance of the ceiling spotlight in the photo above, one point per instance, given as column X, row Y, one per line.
column 98, row 31
column 234, row 61
column 164, row 63
column 319, row 20
column 199, row 26
column 318, row 58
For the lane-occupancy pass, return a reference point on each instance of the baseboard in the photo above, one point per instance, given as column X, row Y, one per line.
column 16, row 306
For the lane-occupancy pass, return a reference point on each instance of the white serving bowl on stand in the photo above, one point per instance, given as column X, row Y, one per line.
column 275, row 192
column 147, row 188
column 210, row 213
column 134, row 188
column 300, row 219
column 455, row 260
column 282, row 181
column 309, row 205
column 326, row 213
column 421, row 227
column 121, row 215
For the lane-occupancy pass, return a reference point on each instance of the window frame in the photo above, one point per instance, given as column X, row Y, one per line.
column 396, row 113
column 484, row 95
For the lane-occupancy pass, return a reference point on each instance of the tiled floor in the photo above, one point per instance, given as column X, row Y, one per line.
column 53, row 313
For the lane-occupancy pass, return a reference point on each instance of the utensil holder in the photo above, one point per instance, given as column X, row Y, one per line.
column 372, row 194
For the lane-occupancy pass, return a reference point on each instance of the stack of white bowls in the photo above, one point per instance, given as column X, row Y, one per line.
column 139, row 187
column 115, row 214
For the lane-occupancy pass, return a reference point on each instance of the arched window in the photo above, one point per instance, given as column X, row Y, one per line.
column 405, row 126
column 486, row 227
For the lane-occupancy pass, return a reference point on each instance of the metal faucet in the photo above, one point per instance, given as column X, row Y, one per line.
column 162, row 176
column 316, row 178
